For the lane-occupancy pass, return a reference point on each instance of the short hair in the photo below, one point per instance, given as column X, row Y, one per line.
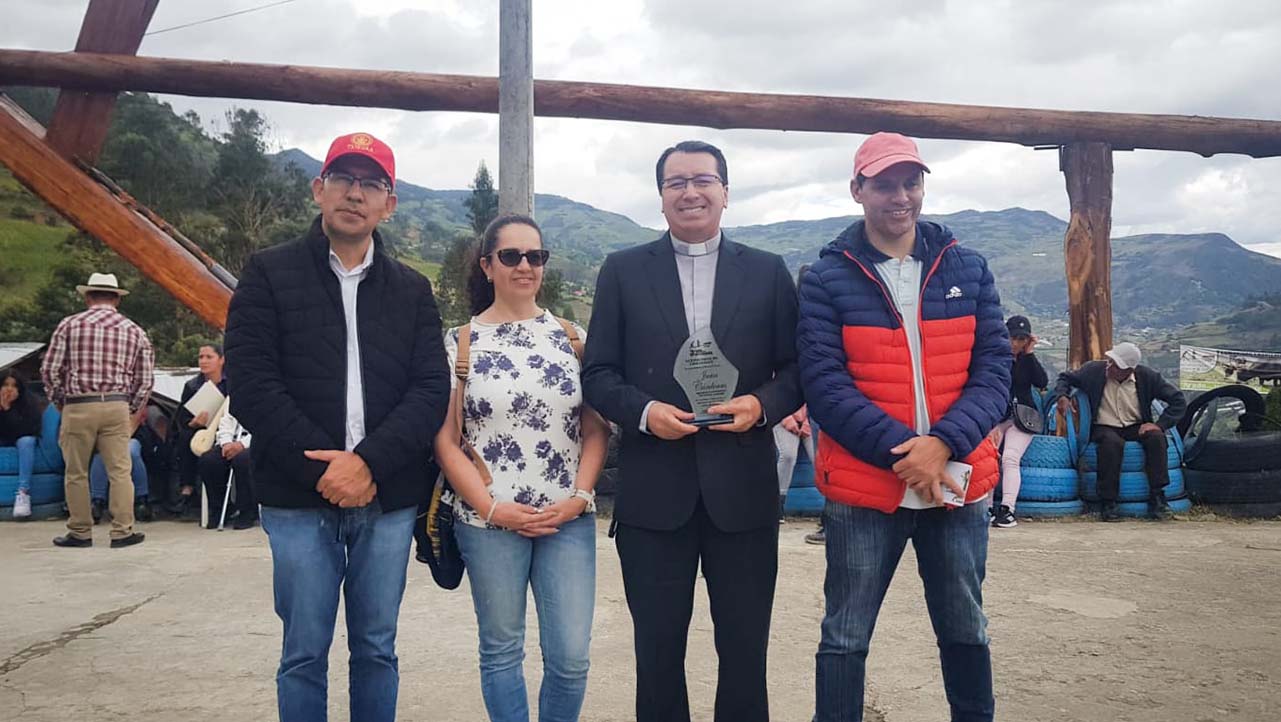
column 693, row 146
column 102, row 296
column 217, row 347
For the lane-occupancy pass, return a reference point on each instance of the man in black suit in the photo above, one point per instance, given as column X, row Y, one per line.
column 689, row 494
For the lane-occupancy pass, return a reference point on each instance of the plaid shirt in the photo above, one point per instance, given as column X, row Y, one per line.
column 98, row 351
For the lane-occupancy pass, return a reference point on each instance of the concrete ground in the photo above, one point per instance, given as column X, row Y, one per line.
column 1137, row 621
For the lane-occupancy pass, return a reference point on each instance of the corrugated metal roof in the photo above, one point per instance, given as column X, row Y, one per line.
column 12, row 354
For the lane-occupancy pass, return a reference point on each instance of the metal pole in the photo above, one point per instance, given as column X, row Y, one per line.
column 515, row 107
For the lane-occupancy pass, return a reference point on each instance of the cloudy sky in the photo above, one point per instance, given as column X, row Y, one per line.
column 1150, row 56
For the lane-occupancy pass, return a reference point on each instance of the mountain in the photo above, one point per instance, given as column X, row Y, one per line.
column 1159, row 281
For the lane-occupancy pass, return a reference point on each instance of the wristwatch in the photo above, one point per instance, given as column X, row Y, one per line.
column 587, row 496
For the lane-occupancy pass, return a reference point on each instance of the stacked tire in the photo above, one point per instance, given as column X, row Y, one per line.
column 803, row 499
column 1132, row 496
column 1239, row 475
column 1050, row 486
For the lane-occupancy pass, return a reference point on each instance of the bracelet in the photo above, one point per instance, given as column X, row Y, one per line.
column 490, row 515
column 587, row 496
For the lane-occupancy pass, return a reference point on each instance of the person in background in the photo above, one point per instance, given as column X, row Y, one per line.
column 20, row 415
column 211, row 363
column 98, row 371
column 98, row 496
column 790, row 435
column 230, row 455
column 1026, row 373
column 1120, row 391
column 533, row 524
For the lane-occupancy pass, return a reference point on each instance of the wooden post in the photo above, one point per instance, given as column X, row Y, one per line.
column 515, row 108
column 1087, row 249
column 95, row 211
column 81, row 119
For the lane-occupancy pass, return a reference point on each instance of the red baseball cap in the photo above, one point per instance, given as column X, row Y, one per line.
column 883, row 150
column 362, row 144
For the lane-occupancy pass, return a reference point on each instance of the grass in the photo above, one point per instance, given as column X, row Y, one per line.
column 427, row 268
column 28, row 251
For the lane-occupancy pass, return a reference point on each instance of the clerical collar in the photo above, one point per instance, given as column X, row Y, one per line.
column 706, row 248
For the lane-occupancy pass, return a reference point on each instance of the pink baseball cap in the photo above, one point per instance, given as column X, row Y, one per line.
column 362, row 144
column 883, row 150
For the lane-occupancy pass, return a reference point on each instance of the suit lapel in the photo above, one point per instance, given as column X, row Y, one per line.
column 728, row 288
column 667, row 287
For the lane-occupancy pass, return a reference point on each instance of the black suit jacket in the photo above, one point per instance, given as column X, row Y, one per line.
column 1092, row 377
column 637, row 327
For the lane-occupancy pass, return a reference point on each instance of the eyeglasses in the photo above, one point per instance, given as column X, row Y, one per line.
column 510, row 257
column 369, row 186
column 700, row 182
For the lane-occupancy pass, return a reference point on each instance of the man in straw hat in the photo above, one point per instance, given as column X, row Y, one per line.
column 98, row 372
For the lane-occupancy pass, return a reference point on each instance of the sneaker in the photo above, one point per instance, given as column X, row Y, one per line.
column 97, row 507
column 1158, row 507
column 817, row 537
column 1003, row 517
column 22, row 505
column 1109, row 512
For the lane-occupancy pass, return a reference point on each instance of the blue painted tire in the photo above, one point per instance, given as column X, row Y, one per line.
column 1133, row 487
column 39, row 512
column 803, row 473
column 1139, row 509
column 1048, row 485
column 1048, row 509
column 45, row 489
column 1131, row 459
column 1047, row 452
column 804, row 501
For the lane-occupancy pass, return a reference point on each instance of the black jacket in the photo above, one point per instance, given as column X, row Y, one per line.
column 287, row 364
column 638, row 325
column 1091, row 378
column 1026, row 372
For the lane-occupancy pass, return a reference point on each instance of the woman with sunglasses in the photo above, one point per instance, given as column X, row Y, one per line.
column 534, row 524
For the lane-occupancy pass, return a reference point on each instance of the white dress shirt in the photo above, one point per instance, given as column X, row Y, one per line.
column 349, row 280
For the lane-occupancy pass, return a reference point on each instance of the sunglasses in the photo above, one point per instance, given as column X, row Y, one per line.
column 510, row 257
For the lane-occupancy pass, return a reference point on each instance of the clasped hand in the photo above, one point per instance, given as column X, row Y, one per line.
column 347, row 482
column 924, row 467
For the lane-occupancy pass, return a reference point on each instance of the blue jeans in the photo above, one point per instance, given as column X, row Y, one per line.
column 314, row 553
column 863, row 550
column 26, row 461
column 561, row 569
column 98, row 473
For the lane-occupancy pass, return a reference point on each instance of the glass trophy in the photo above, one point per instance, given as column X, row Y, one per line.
column 706, row 377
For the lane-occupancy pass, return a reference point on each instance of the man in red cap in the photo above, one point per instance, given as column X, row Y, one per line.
column 905, row 363
column 336, row 365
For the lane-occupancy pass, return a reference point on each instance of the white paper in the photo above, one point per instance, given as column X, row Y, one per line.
column 207, row 399
column 960, row 473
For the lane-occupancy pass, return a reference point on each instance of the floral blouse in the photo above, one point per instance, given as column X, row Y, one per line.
column 521, row 410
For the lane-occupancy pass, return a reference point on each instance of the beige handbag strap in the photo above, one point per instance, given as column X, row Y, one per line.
column 462, row 368
column 575, row 342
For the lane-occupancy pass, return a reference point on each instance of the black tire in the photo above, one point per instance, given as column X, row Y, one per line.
column 1254, row 404
column 1241, row 487
column 1258, row 451
column 1246, row 511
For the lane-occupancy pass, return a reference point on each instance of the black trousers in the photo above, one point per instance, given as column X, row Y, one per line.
column 660, row 569
column 1111, row 441
column 213, row 472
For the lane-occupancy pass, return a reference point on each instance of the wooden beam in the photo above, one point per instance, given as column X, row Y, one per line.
column 81, row 119
column 1087, row 250
column 515, row 107
column 714, row 109
column 95, row 211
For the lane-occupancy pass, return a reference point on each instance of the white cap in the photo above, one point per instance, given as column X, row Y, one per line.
column 1125, row 355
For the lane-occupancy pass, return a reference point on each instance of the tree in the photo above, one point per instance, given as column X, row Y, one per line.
column 451, row 283
column 482, row 204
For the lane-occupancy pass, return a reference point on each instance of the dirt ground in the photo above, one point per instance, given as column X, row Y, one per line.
column 1139, row 621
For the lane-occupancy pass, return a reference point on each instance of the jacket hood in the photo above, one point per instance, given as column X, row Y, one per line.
column 931, row 239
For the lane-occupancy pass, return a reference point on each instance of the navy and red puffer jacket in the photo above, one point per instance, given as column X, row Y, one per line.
column 857, row 374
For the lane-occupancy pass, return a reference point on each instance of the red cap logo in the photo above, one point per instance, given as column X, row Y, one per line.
column 362, row 144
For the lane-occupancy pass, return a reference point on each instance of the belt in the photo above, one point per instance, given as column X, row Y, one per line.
column 95, row 398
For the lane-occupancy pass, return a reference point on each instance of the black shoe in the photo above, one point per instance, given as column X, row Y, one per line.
column 816, row 537
column 67, row 540
column 244, row 520
column 1003, row 517
column 1159, row 508
column 128, row 541
column 142, row 510
column 1109, row 512
column 97, row 507
column 179, row 505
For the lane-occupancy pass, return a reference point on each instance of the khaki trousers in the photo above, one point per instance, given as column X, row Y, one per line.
column 101, row 425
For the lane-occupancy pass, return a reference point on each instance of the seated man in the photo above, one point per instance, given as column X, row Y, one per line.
column 230, row 452
column 1120, row 392
column 98, row 484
